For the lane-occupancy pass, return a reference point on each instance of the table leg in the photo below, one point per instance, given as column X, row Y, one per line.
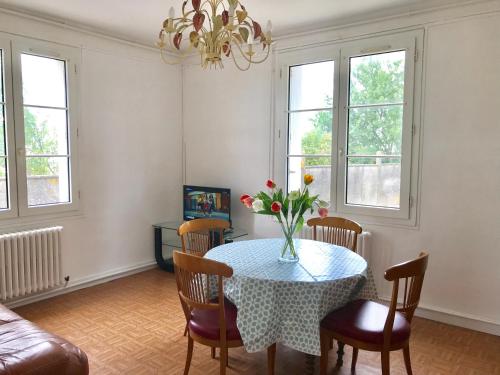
column 310, row 364
column 164, row 265
column 340, row 354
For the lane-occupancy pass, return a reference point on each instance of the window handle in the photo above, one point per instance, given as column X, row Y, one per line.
column 21, row 152
column 341, row 151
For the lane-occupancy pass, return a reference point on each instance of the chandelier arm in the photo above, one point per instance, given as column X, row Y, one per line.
column 238, row 66
column 264, row 58
column 165, row 60
column 243, row 54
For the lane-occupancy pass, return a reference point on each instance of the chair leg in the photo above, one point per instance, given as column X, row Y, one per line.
column 227, row 357
column 186, row 330
column 223, row 360
column 189, row 355
column 386, row 367
column 406, row 354
column 354, row 359
column 213, row 352
column 325, row 347
column 340, row 354
column 271, row 355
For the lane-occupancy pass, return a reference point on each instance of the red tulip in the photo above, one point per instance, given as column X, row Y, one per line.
column 248, row 202
column 323, row 212
column 276, row 207
column 243, row 197
column 270, row 184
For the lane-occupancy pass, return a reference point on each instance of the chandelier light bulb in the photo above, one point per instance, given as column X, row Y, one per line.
column 171, row 12
column 269, row 26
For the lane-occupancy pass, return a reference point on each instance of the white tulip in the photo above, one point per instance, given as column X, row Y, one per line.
column 323, row 204
column 258, row 205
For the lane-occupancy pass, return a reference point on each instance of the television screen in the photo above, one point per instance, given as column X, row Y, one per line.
column 207, row 202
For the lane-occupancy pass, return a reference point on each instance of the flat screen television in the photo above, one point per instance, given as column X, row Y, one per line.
column 206, row 202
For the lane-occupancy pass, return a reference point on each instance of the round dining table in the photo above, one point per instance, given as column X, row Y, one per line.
column 285, row 302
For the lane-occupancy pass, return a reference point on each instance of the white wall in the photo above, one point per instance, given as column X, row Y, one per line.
column 129, row 152
column 227, row 127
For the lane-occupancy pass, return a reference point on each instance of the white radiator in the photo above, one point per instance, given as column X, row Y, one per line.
column 30, row 262
column 362, row 247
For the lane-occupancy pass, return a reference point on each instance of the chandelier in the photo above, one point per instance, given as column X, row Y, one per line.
column 214, row 28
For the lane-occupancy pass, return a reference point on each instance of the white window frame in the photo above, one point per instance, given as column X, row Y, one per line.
column 14, row 47
column 10, row 144
column 411, row 42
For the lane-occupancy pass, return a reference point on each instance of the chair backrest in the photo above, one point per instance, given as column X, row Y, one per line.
column 335, row 230
column 192, row 274
column 413, row 273
column 200, row 235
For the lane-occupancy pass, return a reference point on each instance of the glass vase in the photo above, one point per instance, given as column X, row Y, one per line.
column 288, row 253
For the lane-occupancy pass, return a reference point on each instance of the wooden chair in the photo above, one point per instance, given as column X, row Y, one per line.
column 210, row 322
column 372, row 326
column 200, row 235
column 335, row 230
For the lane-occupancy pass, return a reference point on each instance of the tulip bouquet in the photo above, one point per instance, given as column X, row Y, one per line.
column 287, row 209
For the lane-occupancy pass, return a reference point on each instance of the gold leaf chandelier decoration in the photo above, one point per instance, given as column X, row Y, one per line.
column 215, row 28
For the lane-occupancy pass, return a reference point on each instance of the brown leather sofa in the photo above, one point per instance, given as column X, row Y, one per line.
column 27, row 349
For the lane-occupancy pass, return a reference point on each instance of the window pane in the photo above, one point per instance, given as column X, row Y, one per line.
column 310, row 133
column 311, row 85
column 375, row 130
column 1, row 75
column 44, row 81
column 374, row 181
column 45, row 131
column 2, row 130
column 3, row 185
column 377, row 78
column 48, row 180
column 320, row 168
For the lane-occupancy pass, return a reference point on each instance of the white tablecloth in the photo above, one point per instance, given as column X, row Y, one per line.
column 285, row 302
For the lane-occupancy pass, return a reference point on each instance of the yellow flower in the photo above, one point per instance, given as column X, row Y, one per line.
column 308, row 179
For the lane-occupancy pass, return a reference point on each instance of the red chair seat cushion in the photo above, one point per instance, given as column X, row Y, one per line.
column 364, row 321
column 205, row 323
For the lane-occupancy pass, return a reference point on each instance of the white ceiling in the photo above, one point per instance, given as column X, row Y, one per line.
column 140, row 21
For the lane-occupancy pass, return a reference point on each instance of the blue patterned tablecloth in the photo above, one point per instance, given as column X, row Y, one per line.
column 285, row 302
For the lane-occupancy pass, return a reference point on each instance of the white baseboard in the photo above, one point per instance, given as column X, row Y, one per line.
column 84, row 282
column 456, row 319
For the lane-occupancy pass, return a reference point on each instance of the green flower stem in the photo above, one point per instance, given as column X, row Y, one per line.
column 288, row 231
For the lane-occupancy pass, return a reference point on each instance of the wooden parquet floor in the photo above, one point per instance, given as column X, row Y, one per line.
column 134, row 325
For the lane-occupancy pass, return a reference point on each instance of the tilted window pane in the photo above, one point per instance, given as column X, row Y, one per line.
column 311, row 86
column 319, row 167
column 48, row 180
column 4, row 193
column 376, row 79
column 45, row 131
column 2, row 130
column 44, row 81
column 1, row 76
column 374, row 181
column 375, row 130
column 310, row 133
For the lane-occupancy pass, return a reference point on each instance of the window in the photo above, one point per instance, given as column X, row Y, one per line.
column 349, row 122
column 38, row 128
column 310, row 126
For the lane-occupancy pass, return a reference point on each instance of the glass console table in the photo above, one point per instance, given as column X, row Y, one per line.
column 166, row 238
